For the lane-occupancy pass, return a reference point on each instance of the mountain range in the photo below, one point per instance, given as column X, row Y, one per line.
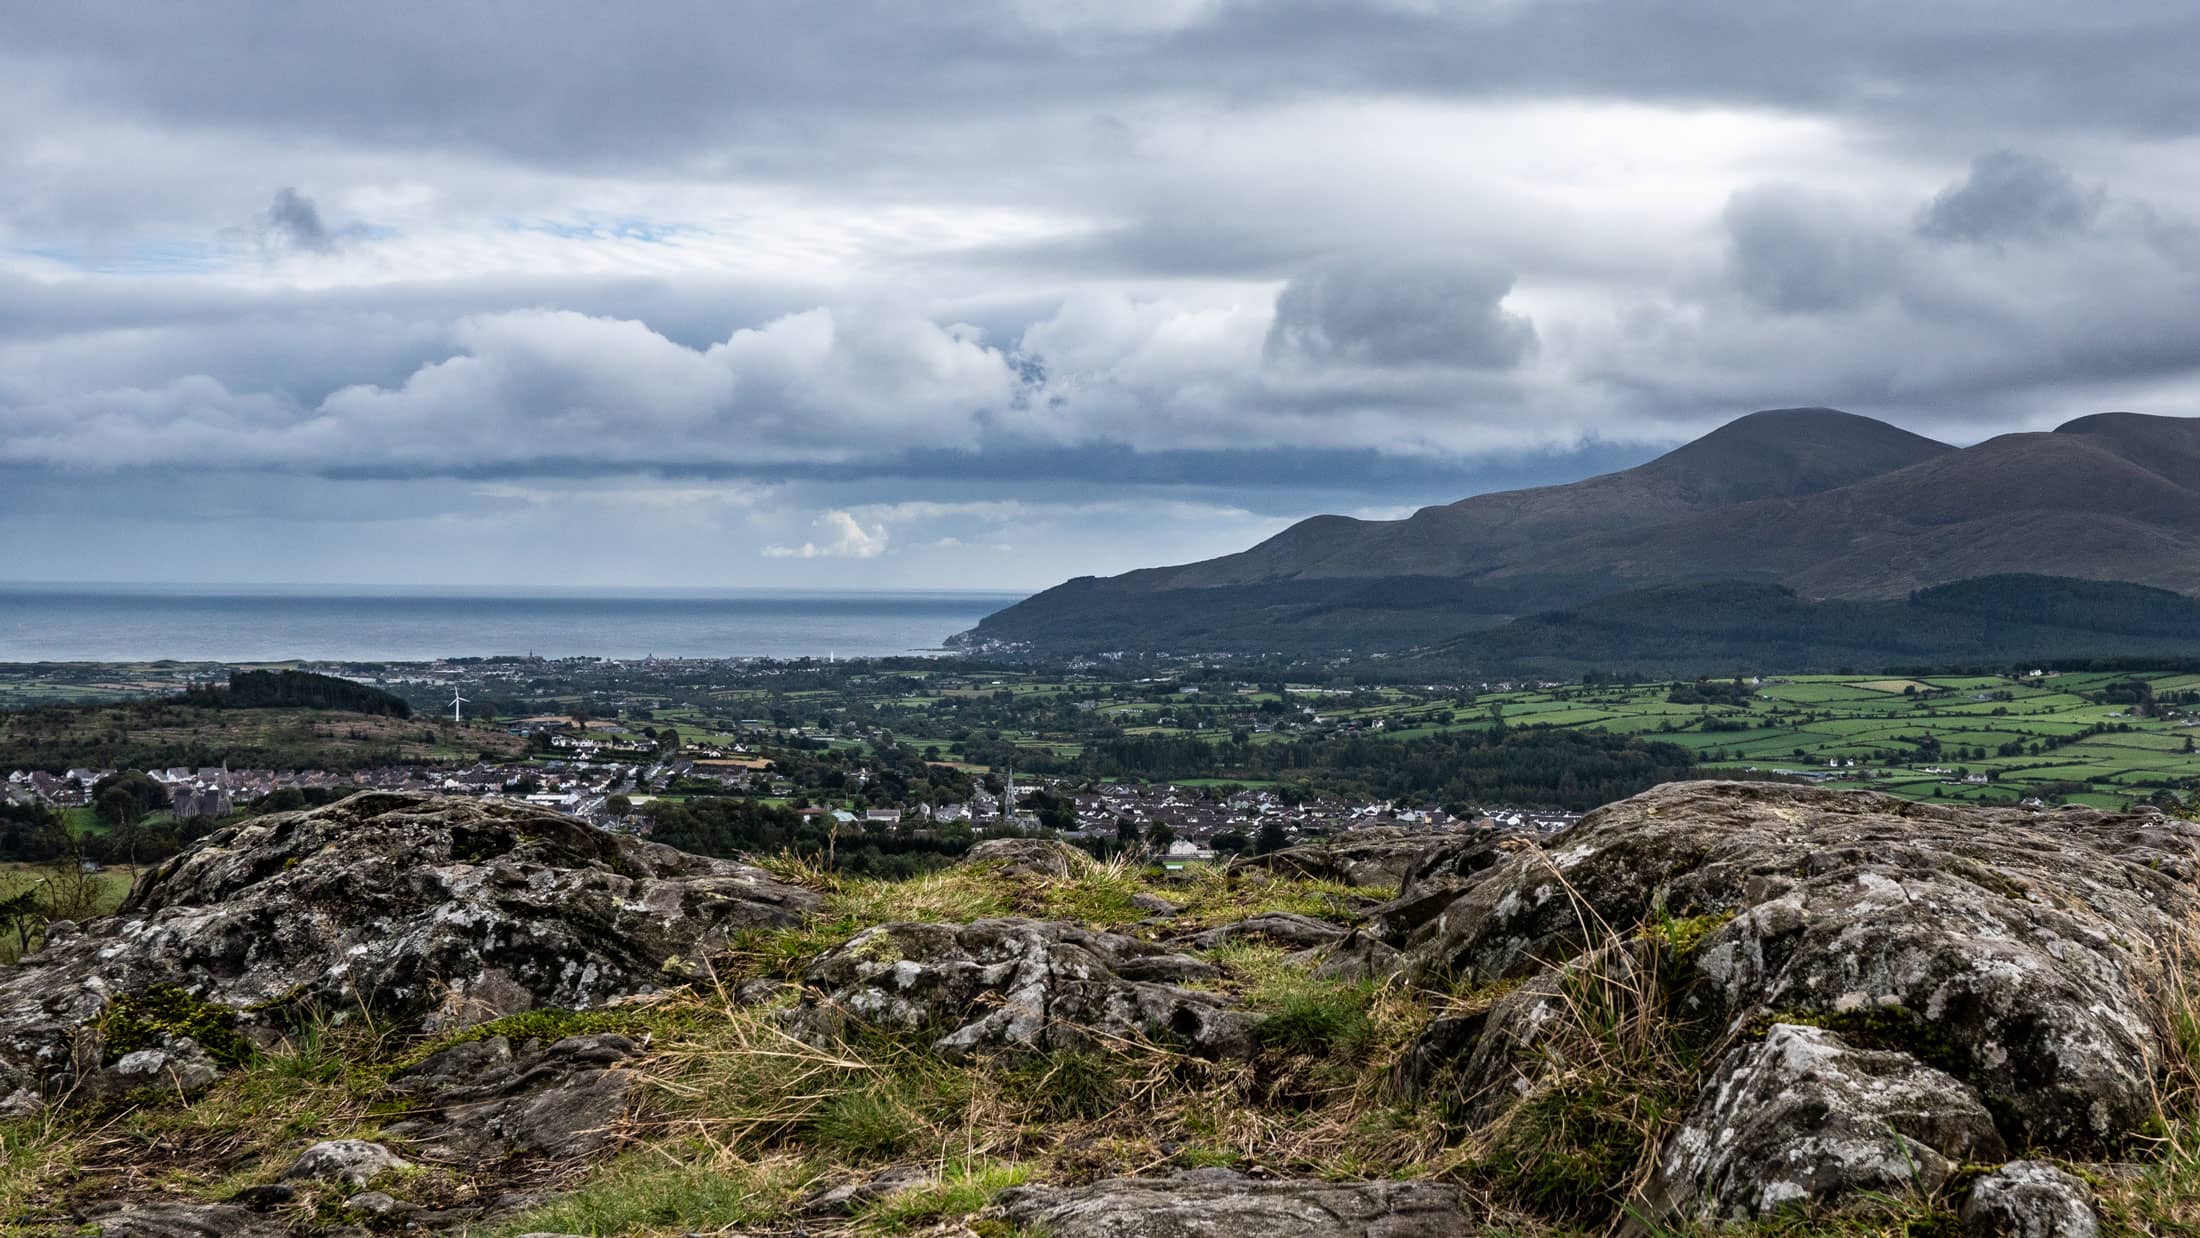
column 1817, row 505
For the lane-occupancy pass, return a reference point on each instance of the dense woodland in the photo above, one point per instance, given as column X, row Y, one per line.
column 1528, row 767
column 297, row 690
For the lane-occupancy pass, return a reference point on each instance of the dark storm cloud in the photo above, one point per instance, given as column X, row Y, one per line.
column 2010, row 196
column 1797, row 254
column 293, row 219
column 1397, row 313
column 619, row 83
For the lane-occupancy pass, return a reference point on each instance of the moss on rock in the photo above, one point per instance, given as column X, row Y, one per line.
column 141, row 1020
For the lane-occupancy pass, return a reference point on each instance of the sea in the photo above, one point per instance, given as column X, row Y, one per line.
column 266, row 623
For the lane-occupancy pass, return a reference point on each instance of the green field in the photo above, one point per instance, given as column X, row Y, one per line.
column 2054, row 737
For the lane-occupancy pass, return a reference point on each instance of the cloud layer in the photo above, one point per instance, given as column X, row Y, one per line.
column 877, row 293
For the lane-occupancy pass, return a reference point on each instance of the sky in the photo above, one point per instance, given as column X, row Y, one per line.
column 986, row 295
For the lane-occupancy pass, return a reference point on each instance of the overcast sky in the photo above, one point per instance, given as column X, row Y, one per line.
column 983, row 295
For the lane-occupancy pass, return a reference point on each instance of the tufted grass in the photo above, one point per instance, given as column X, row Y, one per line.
column 963, row 1189
column 670, row 1188
column 37, row 1154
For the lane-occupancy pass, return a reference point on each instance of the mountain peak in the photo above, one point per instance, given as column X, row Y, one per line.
column 1787, row 453
column 2168, row 447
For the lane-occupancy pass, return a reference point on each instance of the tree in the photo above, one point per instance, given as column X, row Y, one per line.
column 22, row 914
column 1231, row 842
column 1272, row 837
column 618, row 805
column 1159, row 835
column 118, row 808
column 127, row 797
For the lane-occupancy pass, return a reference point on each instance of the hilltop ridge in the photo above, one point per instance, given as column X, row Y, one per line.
column 1830, row 504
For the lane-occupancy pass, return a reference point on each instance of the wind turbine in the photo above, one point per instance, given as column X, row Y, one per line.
column 456, row 701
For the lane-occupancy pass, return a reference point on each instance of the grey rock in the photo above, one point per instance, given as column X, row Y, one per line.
column 1030, row 857
column 484, row 1099
column 1154, row 904
column 2014, row 949
column 1373, row 859
column 1275, row 928
column 1801, row 1118
column 1019, row 985
column 1357, row 956
column 180, row 1220
column 2030, row 1199
column 373, row 1204
column 176, row 1067
column 353, row 1162
column 846, row 1197
column 1439, row 876
column 419, row 910
column 1181, row 1208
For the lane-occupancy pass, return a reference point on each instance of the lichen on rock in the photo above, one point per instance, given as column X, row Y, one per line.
column 1011, row 985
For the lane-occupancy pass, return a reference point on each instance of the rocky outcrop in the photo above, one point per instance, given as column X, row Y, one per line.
column 484, row 1099
column 1029, row 857
column 1960, row 963
column 1019, row 985
column 423, row 911
column 1215, row 1204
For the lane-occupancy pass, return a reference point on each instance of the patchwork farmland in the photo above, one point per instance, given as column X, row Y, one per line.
column 2103, row 739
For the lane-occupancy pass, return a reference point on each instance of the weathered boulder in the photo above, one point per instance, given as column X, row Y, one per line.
column 420, row 910
column 353, row 1162
column 2014, row 951
column 1358, row 955
column 375, row 1204
column 1439, row 876
column 1215, row 1206
column 174, row 1066
column 1015, row 984
column 1373, row 859
column 181, row 1220
column 482, row 1100
column 2030, row 1199
column 1802, row 1118
column 1270, row 928
column 1030, row 857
